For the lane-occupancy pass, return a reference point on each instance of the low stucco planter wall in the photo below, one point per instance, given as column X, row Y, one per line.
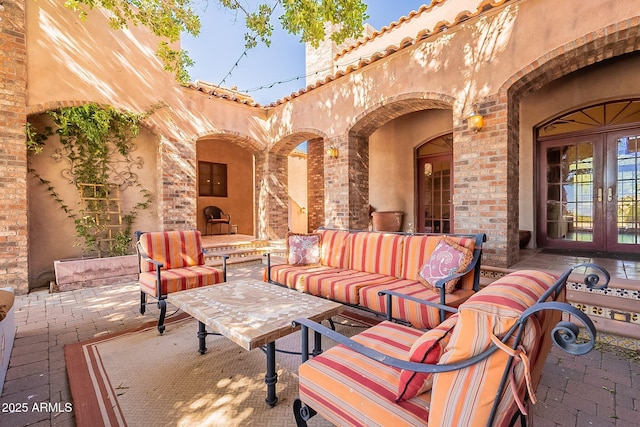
column 91, row 272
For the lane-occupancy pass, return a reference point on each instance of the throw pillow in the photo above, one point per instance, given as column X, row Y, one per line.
column 6, row 302
column 447, row 258
column 426, row 349
column 303, row 249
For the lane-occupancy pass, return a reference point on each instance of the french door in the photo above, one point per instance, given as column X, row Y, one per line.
column 434, row 194
column 589, row 194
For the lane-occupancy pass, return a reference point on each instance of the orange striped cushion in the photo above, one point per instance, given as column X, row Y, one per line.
column 418, row 250
column 335, row 248
column 426, row 349
column 376, row 253
column 348, row 389
column 419, row 315
column 342, row 285
column 494, row 310
column 179, row 279
column 175, row 249
column 294, row 276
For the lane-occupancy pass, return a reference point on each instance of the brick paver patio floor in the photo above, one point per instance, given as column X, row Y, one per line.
column 601, row 388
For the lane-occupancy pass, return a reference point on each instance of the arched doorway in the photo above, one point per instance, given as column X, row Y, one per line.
column 589, row 179
column 434, row 174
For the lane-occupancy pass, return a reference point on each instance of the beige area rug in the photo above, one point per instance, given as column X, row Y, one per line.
column 139, row 378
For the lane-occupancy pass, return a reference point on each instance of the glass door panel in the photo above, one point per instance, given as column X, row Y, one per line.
column 571, row 189
column 623, row 193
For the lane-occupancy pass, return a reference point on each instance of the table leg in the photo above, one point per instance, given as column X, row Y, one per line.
column 202, row 338
column 271, row 378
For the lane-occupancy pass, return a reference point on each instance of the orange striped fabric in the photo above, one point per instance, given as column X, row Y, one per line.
column 180, row 279
column 175, row 249
column 348, row 389
column 492, row 311
column 334, row 248
column 376, row 253
column 295, row 276
column 342, row 286
column 418, row 249
column 420, row 315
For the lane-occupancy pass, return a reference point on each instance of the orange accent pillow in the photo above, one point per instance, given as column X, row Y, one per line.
column 303, row 249
column 426, row 349
column 447, row 258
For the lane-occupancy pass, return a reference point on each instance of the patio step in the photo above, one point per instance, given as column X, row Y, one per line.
column 245, row 252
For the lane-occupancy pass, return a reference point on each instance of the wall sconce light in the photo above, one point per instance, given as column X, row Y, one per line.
column 428, row 169
column 332, row 152
column 475, row 121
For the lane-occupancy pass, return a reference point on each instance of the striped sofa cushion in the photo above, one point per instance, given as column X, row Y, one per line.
column 376, row 253
column 334, row 248
column 492, row 311
column 180, row 279
column 342, row 285
column 348, row 389
column 175, row 249
column 420, row 315
column 295, row 276
column 418, row 249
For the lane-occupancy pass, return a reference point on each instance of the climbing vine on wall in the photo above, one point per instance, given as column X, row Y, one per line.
column 96, row 142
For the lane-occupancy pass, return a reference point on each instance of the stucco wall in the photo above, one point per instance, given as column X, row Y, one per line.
column 52, row 234
column 297, row 174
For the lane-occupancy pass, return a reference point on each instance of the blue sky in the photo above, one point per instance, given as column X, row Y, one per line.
column 221, row 43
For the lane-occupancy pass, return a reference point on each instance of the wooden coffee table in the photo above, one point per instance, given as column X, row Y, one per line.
column 252, row 314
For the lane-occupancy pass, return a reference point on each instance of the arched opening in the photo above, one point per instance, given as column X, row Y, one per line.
column 588, row 179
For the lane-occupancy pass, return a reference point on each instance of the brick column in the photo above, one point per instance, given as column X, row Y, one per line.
column 272, row 193
column 13, row 153
column 177, row 182
column 347, row 183
column 486, row 181
column 315, row 183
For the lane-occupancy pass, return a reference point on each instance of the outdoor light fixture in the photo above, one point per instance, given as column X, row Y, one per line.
column 475, row 121
column 332, row 152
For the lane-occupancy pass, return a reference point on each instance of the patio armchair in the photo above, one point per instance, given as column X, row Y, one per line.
column 479, row 367
column 172, row 261
column 214, row 215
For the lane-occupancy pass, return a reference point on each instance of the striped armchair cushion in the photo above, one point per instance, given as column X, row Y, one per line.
column 180, row 279
column 348, row 389
column 376, row 253
column 492, row 311
column 175, row 249
column 334, row 250
column 418, row 250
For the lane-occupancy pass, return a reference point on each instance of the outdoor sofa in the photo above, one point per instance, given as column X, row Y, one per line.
column 358, row 268
column 480, row 367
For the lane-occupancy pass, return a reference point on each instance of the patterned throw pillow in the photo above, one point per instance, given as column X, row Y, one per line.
column 447, row 258
column 426, row 349
column 303, row 249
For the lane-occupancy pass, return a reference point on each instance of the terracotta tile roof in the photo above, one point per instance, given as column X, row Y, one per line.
column 483, row 6
column 220, row 92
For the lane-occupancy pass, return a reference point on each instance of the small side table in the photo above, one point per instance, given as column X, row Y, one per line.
column 234, row 229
